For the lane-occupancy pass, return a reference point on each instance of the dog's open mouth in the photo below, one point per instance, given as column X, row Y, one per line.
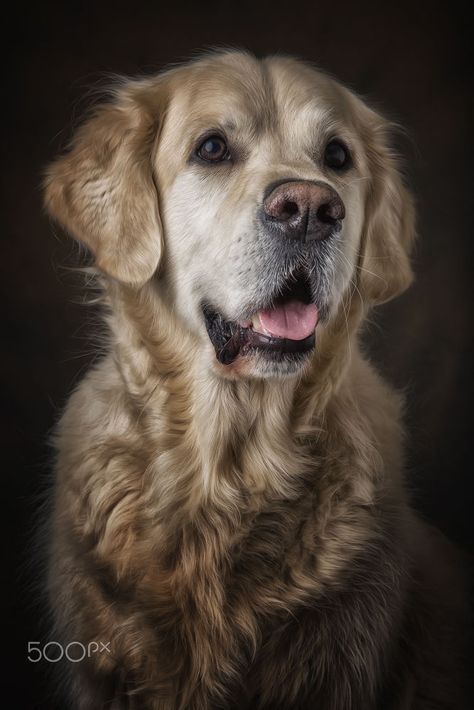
column 284, row 329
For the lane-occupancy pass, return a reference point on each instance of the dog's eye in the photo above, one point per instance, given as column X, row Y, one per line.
column 213, row 150
column 336, row 155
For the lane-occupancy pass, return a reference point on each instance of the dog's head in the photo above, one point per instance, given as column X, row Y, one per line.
column 257, row 196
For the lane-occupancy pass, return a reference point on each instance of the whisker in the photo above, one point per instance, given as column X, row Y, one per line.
column 352, row 282
column 360, row 268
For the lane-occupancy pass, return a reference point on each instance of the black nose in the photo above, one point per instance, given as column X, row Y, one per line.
column 303, row 210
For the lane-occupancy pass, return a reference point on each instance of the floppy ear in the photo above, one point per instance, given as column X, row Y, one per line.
column 389, row 231
column 103, row 190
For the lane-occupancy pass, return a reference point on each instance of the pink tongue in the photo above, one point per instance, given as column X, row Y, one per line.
column 294, row 320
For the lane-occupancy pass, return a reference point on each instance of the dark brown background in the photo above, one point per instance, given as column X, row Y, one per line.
column 410, row 60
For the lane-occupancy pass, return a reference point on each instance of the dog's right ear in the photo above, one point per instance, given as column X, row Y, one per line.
column 103, row 191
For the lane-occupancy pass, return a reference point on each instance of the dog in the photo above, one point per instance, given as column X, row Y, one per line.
column 230, row 516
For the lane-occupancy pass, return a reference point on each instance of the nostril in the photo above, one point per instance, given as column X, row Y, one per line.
column 330, row 212
column 289, row 208
column 325, row 214
column 282, row 208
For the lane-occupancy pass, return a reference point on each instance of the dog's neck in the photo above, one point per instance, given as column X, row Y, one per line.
column 205, row 421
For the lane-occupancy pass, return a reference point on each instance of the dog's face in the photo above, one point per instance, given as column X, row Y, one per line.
column 262, row 207
column 258, row 194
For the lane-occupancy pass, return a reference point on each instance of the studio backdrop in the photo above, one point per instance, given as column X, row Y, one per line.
column 410, row 62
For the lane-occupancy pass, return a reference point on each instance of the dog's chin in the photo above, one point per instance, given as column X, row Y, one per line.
column 259, row 365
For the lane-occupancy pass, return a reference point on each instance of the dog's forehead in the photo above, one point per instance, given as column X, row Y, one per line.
column 236, row 90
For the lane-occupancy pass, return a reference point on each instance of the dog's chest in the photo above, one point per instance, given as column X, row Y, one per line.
column 231, row 585
column 254, row 600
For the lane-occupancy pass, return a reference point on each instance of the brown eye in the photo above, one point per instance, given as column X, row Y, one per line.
column 213, row 150
column 337, row 156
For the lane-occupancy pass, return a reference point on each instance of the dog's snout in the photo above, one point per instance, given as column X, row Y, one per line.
column 303, row 210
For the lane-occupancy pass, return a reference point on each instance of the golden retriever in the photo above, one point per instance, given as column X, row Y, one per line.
column 230, row 515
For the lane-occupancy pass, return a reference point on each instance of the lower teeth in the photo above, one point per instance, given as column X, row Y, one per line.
column 256, row 325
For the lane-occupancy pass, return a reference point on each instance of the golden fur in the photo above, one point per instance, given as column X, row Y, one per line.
column 242, row 540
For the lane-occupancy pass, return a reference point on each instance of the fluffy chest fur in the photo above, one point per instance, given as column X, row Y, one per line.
column 217, row 558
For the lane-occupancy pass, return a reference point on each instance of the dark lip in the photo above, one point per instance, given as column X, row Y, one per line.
column 230, row 339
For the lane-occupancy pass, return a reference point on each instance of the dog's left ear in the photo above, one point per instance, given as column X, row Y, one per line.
column 103, row 190
column 389, row 230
